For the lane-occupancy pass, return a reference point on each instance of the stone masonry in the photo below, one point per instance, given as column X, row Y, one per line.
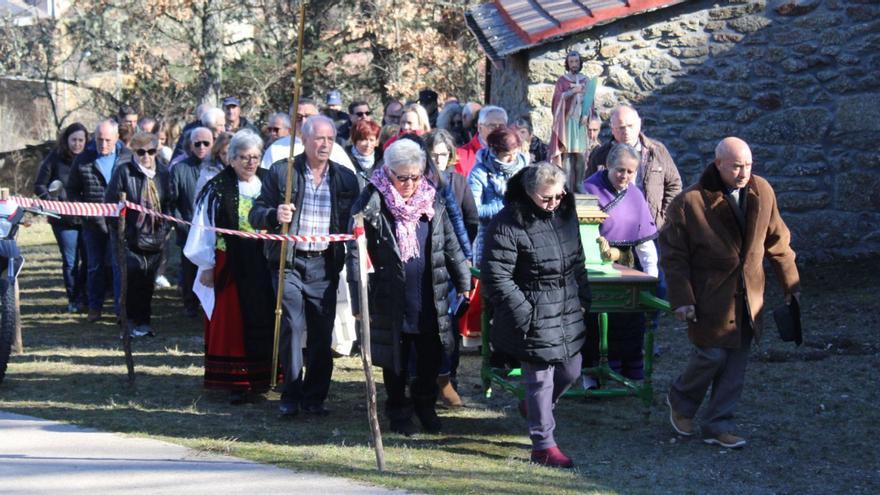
column 798, row 79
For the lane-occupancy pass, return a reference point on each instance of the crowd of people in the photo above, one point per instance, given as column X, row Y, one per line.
column 440, row 189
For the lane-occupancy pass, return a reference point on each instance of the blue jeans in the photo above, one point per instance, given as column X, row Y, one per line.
column 102, row 251
column 72, row 261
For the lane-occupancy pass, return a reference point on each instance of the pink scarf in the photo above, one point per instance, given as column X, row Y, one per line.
column 406, row 213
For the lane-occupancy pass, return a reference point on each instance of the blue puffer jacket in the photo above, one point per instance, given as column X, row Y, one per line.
column 488, row 183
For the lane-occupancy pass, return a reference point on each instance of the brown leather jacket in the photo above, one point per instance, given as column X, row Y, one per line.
column 712, row 256
column 659, row 180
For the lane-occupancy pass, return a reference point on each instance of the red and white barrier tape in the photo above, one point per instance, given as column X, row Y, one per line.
column 65, row 208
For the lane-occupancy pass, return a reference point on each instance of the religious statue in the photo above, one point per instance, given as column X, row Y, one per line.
column 572, row 106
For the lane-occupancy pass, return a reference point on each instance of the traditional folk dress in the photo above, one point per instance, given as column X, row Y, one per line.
column 630, row 228
column 239, row 329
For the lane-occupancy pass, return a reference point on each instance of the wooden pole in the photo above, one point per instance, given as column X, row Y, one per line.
column 285, row 228
column 123, row 291
column 366, row 355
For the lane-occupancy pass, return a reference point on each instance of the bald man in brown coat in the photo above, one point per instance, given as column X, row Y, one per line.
column 713, row 245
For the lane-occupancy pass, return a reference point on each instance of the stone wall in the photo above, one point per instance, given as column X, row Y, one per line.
column 798, row 79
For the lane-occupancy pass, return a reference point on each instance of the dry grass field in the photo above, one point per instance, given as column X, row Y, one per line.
column 810, row 413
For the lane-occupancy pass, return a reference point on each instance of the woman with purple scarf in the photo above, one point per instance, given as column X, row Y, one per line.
column 630, row 228
column 415, row 253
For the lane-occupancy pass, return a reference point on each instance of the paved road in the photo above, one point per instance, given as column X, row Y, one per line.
column 39, row 457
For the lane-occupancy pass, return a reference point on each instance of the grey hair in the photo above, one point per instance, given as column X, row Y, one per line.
column 491, row 109
column 211, row 116
column 620, row 152
column 243, row 140
column 285, row 119
column 404, row 152
column 200, row 128
column 308, row 127
column 542, row 174
column 110, row 122
column 444, row 118
column 467, row 110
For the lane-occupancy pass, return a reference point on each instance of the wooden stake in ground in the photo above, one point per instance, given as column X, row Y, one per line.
column 285, row 228
column 366, row 356
column 123, row 290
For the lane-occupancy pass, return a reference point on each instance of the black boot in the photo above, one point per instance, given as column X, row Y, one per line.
column 400, row 419
column 425, row 410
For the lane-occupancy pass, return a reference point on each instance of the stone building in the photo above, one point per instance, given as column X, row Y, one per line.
column 798, row 79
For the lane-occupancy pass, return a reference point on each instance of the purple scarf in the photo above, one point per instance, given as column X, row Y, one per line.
column 629, row 220
column 406, row 213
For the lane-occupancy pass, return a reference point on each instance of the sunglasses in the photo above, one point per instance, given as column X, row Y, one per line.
column 275, row 129
column 363, row 114
column 547, row 199
column 404, row 178
column 206, row 144
column 142, row 152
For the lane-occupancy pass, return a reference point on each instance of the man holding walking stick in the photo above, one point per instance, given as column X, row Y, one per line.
column 322, row 193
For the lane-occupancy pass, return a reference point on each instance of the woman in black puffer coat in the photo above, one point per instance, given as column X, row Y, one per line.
column 415, row 254
column 534, row 276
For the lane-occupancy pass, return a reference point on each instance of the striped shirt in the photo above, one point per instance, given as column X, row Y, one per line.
column 314, row 219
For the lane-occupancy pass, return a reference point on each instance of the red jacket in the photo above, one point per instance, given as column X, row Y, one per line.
column 467, row 155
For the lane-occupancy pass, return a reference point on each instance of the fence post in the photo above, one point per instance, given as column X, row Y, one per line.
column 366, row 355
column 123, row 290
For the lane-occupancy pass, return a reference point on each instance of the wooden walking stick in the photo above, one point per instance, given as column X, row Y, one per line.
column 366, row 355
column 123, row 290
column 285, row 228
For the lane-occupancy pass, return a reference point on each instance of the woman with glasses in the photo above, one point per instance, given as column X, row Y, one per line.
column 56, row 167
column 147, row 185
column 631, row 230
column 412, row 245
column 533, row 274
column 233, row 275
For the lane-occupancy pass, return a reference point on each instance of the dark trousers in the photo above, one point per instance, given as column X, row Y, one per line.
column 722, row 369
column 187, row 278
column 428, row 356
column 141, row 270
column 545, row 383
column 308, row 303
column 101, row 248
column 73, row 262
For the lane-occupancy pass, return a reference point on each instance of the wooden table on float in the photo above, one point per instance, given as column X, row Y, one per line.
column 622, row 290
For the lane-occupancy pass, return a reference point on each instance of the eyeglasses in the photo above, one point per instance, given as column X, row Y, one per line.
column 301, row 116
column 548, row 199
column 363, row 114
column 275, row 129
column 438, row 156
column 142, row 152
column 199, row 144
column 494, row 126
column 403, row 178
column 250, row 159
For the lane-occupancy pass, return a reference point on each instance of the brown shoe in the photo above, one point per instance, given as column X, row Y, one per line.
column 682, row 425
column 726, row 440
column 94, row 315
column 448, row 394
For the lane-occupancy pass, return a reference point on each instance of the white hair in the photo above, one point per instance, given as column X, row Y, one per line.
column 308, row 127
column 114, row 126
column 211, row 117
column 404, row 152
column 244, row 139
column 285, row 119
column 491, row 110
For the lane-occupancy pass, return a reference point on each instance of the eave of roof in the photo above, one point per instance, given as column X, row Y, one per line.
column 504, row 27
